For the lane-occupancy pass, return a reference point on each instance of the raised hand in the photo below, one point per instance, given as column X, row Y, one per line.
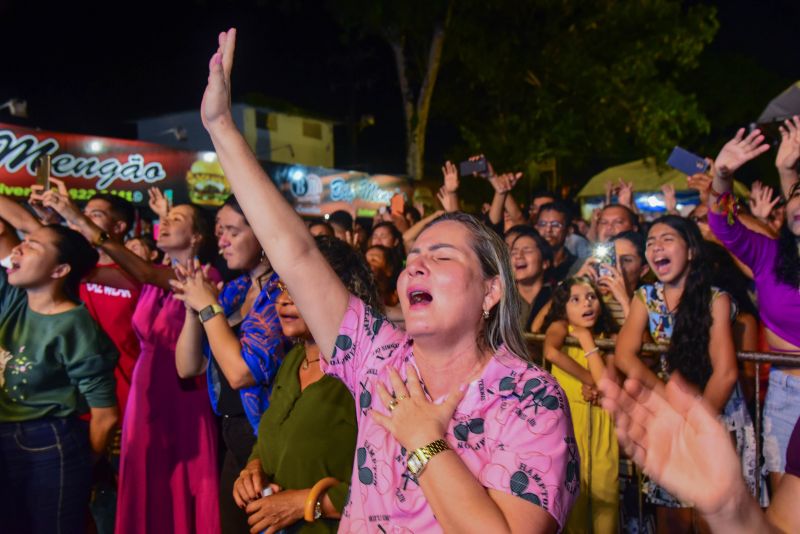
column 505, row 182
column 450, row 173
column 449, row 201
column 216, row 105
column 761, row 201
column 625, row 194
column 677, row 440
column 670, row 200
column 789, row 149
column 702, row 183
column 158, row 202
column 739, row 151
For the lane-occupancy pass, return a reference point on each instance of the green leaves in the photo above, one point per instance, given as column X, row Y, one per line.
column 533, row 79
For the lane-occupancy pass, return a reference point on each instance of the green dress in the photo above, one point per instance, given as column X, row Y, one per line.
column 308, row 435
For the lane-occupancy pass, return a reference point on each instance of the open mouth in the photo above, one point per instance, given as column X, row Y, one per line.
column 11, row 266
column 588, row 314
column 417, row 296
column 520, row 266
column 661, row 264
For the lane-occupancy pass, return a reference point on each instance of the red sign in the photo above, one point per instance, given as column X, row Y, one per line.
column 90, row 164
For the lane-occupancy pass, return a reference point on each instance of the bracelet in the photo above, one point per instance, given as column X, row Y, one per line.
column 312, row 506
column 586, row 354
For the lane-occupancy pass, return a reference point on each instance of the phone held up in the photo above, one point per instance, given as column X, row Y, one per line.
column 606, row 256
column 477, row 166
column 43, row 172
column 686, row 162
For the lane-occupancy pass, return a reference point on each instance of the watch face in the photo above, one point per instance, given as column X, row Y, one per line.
column 414, row 464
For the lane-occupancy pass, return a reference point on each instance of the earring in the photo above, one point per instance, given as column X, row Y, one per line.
column 485, row 314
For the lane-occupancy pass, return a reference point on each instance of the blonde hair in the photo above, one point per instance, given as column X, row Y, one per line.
column 502, row 327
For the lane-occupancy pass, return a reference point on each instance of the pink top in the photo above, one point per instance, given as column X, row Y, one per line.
column 512, row 430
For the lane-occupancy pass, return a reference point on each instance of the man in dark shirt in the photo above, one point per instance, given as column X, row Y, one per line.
column 553, row 225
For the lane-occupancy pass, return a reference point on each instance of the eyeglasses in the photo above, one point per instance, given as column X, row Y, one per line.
column 555, row 225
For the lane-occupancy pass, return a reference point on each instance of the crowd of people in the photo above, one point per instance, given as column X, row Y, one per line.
column 265, row 373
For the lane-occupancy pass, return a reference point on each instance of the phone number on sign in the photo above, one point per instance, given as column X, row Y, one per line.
column 75, row 193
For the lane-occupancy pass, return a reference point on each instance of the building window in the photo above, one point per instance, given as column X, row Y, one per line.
column 312, row 129
column 267, row 120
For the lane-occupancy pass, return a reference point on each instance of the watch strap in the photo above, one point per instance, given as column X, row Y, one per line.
column 209, row 312
column 419, row 458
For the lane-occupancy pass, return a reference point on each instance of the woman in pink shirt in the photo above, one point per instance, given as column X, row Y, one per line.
column 457, row 430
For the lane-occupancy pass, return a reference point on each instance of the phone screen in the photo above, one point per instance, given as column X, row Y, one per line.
column 686, row 162
column 398, row 204
column 43, row 172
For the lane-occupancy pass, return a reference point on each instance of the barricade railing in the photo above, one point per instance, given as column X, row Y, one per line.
column 758, row 358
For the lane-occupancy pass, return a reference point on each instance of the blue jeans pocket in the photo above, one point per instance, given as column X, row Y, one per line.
column 44, row 437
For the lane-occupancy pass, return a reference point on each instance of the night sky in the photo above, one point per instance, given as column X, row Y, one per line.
column 97, row 67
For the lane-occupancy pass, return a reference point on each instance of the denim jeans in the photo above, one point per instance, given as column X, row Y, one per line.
column 781, row 410
column 45, row 475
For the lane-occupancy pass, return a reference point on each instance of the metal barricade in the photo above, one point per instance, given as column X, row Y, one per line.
column 758, row 358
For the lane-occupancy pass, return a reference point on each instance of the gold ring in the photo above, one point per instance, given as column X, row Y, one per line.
column 392, row 405
column 401, row 397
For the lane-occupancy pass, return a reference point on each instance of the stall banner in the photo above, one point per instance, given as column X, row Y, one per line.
column 315, row 191
column 89, row 165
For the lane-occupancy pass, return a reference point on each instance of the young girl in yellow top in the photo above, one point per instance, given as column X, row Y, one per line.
column 577, row 311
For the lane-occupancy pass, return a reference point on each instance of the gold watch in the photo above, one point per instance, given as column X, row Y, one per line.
column 419, row 458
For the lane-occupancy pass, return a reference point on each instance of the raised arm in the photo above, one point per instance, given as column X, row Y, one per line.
column 316, row 290
column 17, row 216
column 410, row 235
column 788, row 154
column 144, row 271
column 733, row 155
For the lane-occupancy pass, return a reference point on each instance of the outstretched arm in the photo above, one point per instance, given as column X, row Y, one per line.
column 281, row 232
column 144, row 271
column 17, row 216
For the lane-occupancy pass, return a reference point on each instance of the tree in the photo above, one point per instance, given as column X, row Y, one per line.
column 415, row 31
column 527, row 80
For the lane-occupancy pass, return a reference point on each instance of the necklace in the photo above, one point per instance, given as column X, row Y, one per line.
column 306, row 362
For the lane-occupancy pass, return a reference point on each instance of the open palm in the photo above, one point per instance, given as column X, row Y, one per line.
column 739, row 151
column 677, row 440
column 216, row 105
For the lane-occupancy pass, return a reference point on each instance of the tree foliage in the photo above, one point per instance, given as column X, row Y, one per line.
column 527, row 80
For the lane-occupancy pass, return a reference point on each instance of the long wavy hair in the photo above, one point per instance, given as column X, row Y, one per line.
column 688, row 348
column 787, row 262
column 502, row 327
column 558, row 308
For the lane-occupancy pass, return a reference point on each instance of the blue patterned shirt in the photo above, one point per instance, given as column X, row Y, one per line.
column 262, row 345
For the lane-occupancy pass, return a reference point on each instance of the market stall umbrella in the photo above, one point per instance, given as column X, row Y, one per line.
column 783, row 106
column 645, row 177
